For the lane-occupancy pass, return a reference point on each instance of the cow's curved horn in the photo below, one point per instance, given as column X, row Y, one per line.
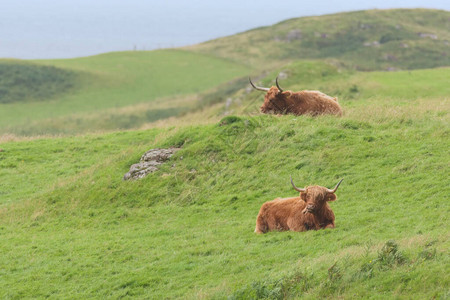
column 296, row 188
column 278, row 86
column 335, row 188
column 257, row 87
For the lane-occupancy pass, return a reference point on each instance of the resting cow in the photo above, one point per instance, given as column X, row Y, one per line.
column 299, row 103
column 309, row 211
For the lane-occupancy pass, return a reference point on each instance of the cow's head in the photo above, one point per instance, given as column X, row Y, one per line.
column 275, row 99
column 316, row 196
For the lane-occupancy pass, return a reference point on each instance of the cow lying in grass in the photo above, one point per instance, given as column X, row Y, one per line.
column 309, row 211
column 298, row 103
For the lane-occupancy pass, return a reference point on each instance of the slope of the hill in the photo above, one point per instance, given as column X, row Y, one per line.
column 364, row 40
column 21, row 81
column 129, row 89
column 71, row 227
column 354, row 90
column 109, row 91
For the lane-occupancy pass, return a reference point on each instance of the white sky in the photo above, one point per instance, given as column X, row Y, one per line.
column 72, row 28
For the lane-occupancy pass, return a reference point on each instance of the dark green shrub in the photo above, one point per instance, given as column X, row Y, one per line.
column 27, row 82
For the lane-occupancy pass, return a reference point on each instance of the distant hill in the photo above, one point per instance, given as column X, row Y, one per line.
column 118, row 90
column 126, row 90
column 363, row 40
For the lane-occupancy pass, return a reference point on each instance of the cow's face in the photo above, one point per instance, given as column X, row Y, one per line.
column 315, row 197
column 274, row 101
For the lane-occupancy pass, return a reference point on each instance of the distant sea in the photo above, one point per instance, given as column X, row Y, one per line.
column 40, row 29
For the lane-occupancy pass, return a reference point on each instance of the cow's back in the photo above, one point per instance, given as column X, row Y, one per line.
column 275, row 214
column 315, row 103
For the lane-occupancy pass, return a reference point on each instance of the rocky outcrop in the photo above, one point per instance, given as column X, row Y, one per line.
column 149, row 163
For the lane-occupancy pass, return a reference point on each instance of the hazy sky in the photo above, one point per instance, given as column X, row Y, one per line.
column 73, row 28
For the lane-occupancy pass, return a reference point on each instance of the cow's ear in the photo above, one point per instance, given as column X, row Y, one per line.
column 303, row 196
column 331, row 197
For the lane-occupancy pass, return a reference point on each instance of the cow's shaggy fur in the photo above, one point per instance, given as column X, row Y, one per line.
column 309, row 211
column 299, row 103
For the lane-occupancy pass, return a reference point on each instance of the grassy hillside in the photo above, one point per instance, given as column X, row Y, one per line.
column 356, row 91
column 127, row 90
column 363, row 40
column 72, row 228
column 143, row 83
column 26, row 82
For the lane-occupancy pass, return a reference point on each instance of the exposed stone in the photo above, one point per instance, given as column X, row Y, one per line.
column 428, row 35
column 277, row 39
column 149, row 163
column 372, row 44
column 282, row 75
column 321, row 35
column 294, row 34
column 390, row 57
column 365, row 26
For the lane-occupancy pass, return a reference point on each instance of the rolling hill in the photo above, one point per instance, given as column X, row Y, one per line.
column 362, row 40
column 109, row 91
column 127, row 90
column 71, row 227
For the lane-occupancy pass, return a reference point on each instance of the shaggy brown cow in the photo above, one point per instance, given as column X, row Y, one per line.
column 299, row 103
column 309, row 211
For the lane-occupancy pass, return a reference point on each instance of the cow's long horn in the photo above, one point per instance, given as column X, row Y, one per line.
column 258, row 87
column 335, row 188
column 296, row 188
column 278, row 86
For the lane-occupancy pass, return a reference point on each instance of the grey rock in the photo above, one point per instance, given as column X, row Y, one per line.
column 149, row 163
column 282, row 75
column 294, row 34
column 428, row 35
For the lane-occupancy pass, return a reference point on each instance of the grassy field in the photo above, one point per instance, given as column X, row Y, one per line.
column 145, row 84
column 72, row 228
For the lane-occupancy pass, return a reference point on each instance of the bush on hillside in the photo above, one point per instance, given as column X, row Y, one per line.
column 26, row 82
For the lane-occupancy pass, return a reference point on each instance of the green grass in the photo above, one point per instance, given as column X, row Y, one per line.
column 70, row 227
column 357, row 87
column 41, row 164
column 356, row 91
column 110, row 82
column 343, row 36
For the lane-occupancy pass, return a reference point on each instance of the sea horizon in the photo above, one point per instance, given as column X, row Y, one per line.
column 42, row 29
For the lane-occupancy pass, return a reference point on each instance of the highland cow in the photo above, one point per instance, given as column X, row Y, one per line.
column 309, row 211
column 299, row 103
